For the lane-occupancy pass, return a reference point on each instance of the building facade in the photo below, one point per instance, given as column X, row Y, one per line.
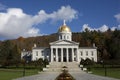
column 64, row 49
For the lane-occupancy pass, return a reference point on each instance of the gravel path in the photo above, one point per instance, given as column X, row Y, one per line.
column 76, row 75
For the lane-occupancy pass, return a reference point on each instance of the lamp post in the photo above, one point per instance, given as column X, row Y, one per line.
column 24, row 68
column 105, row 68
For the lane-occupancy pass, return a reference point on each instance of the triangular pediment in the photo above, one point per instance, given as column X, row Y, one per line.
column 64, row 42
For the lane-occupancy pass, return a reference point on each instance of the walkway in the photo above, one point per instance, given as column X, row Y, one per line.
column 76, row 75
column 55, row 69
column 41, row 76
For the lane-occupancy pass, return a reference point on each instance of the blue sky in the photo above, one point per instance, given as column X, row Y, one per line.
column 38, row 17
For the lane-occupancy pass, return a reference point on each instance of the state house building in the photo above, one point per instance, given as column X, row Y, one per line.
column 62, row 50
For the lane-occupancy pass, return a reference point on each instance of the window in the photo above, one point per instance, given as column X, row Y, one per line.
column 42, row 53
column 60, row 36
column 64, row 37
column 36, row 53
column 67, row 37
column 86, row 53
column 92, row 53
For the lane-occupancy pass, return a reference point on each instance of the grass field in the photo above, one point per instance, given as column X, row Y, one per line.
column 110, row 72
column 9, row 74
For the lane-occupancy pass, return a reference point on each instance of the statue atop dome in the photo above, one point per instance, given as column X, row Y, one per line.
column 64, row 22
column 64, row 28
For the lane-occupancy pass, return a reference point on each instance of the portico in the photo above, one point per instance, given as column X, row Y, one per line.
column 64, row 51
column 63, row 54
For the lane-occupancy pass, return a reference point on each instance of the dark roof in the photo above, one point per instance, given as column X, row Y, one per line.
column 40, row 47
column 87, row 47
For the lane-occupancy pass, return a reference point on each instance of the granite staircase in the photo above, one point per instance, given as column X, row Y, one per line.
column 58, row 66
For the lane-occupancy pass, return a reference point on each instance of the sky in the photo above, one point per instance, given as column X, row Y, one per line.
column 28, row 18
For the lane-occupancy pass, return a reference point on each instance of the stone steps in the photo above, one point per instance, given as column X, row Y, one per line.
column 58, row 66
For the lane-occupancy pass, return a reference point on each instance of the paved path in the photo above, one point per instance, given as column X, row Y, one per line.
column 76, row 75
column 41, row 76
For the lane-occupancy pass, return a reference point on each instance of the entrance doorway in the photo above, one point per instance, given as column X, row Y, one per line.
column 64, row 59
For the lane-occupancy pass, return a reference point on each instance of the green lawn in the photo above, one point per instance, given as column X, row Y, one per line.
column 111, row 72
column 9, row 74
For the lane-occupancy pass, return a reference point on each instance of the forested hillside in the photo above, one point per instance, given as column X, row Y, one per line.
column 108, row 44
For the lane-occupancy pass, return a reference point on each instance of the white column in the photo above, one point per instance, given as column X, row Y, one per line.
column 77, row 53
column 72, row 54
column 51, row 54
column 56, row 54
column 61, row 54
column 67, row 54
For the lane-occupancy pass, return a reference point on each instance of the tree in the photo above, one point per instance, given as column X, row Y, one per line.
column 46, row 62
column 9, row 54
column 40, row 64
column 89, row 62
column 6, row 54
column 16, row 55
column 113, row 45
column 82, row 62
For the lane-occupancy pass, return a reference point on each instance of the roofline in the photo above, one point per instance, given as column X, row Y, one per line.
column 64, row 40
column 87, row 47
column 39, row 47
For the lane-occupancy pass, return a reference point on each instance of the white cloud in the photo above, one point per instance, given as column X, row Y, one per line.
column 102, row 28
column 113, row 28
column 88, row 27
column 32, row 32
column 66, row 13
column 117, row 16
column 118, row 27
column 14, row 22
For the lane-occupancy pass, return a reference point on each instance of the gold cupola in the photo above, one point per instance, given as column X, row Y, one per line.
column 64, row 28
column 64, row 32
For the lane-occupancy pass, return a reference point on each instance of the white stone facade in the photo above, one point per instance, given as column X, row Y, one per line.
column 64, row 49
column 40, row 52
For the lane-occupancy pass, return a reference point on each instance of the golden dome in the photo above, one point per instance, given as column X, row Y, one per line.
column 64, row 28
